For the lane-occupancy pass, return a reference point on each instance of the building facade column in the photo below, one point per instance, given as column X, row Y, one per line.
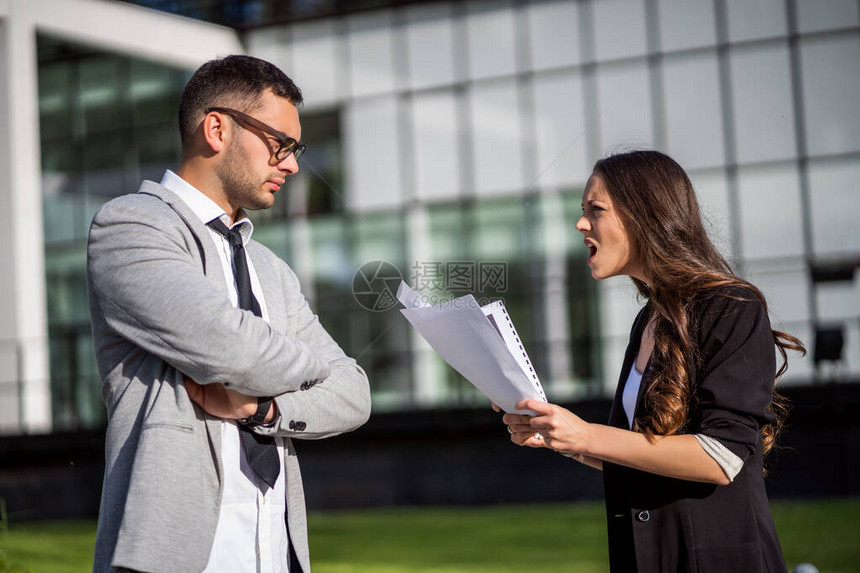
column 25, row 400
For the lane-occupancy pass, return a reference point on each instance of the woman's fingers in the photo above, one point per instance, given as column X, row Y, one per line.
column 552, row 427
column 515, row 419
column 542, row 422
column 521, row 428
column 535, row 406
column 530, row 439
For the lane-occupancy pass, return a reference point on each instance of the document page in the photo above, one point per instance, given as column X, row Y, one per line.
column 460, row 331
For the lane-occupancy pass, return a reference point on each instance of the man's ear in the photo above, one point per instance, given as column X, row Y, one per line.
column 216, row 132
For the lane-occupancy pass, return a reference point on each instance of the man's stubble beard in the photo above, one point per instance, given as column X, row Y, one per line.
column 238, row 181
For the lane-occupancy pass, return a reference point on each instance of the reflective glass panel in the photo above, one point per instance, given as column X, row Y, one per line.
column 497, row 143
column 619, row 28
column 562, row 156
column 753, row 20
column 152, row 92
column 831, row 91
column 102, row 92
column 694, row 130
column 318, row 187
column 553, row 34
column 55, row 99
column 584, row 326
column 770, row 213
column 378, row 334
column 373, row 154
column 713, row 196
column 763, row 109
column 435, row 146
column 835, row 206
column 685, row 24
column 318, row 66
column 430, row 45
column 815, row 15
column 624, row 106
column 490, row 29
column 371, row 54
column 106, row 121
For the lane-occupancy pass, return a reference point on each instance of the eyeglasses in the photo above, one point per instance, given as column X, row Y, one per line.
column 287, row 144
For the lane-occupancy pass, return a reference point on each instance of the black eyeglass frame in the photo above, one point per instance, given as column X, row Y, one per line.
column 286, row 145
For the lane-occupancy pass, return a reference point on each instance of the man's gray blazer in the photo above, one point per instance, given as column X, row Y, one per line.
column 159, row 310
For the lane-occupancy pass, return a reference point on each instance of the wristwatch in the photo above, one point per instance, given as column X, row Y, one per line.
column 259, row 417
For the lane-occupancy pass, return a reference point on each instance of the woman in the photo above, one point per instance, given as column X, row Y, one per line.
column 695, row 410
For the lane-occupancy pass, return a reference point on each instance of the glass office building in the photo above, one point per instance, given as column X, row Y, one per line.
column 452, row 140
column 107, row 122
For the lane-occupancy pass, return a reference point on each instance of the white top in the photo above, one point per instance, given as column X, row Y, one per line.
column 728, row 461
column 631, row 392
column 251, row 535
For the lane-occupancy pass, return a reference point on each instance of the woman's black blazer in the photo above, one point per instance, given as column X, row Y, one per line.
column 659, row 524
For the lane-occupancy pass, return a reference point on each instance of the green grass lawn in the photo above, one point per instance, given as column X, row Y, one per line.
column 503, row 539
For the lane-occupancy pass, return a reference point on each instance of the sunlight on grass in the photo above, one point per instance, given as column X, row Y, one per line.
column 500, row 539
column 824, row 533
column 448, row 540
column 49, row 547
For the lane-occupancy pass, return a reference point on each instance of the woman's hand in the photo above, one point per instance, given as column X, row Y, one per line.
column 523, row 435
column 554, row 427
column 523, row 429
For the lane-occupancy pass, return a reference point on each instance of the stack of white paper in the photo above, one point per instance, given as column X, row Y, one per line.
column 480, row 343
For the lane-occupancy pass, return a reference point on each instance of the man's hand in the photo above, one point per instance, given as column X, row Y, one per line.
column 221, row 402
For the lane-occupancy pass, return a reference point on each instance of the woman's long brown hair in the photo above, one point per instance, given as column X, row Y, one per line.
column 658, row 208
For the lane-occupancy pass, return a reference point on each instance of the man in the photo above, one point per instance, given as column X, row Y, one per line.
column 210, row 358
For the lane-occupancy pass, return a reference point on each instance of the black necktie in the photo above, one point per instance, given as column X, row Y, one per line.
column 260, row 451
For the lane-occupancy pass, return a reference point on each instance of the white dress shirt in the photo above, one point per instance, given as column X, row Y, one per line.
column 251, row 535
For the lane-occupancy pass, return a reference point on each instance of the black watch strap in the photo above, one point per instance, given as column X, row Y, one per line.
column 259, row 417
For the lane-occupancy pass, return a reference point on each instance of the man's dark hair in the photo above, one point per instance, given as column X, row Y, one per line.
column 233, row 81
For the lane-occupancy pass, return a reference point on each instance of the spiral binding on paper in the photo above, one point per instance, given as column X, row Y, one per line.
column 515, row 345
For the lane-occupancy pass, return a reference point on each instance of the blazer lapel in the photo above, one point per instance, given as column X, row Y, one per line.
column 206, row 247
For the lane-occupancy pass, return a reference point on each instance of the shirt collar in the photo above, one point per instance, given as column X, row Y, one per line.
column 203, row 207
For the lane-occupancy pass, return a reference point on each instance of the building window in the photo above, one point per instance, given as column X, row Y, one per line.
column 106, row 122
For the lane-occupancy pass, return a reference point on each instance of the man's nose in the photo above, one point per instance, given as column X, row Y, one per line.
column 289, row 164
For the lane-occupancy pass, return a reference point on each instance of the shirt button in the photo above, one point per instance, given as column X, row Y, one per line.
column 643, row 516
